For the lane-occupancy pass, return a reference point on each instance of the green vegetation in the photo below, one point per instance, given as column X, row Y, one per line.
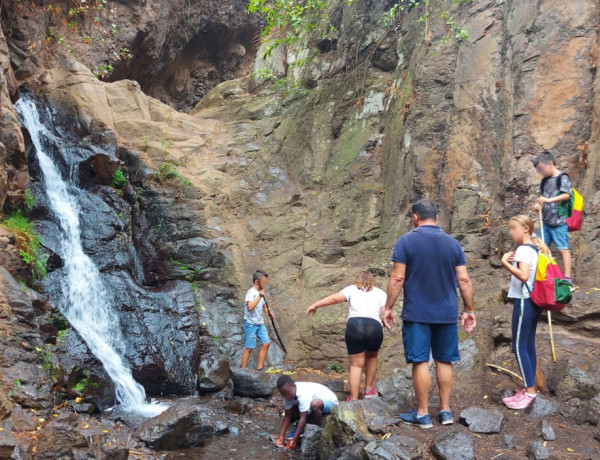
column 335, row 367
column 48, row 361
column 29, row 200
column 16, row 386
column 190, row 273
column 59, row 321
column 62, row 335
column 119, row 180
column 169, row 169
column 28, row 242
column 84, row 385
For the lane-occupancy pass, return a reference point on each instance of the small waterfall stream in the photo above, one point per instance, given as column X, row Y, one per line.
column 84, row 301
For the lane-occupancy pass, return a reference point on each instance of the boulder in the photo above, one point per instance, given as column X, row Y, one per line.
column 213, row 374
column 16, row 296
column 253, row 383
column 468, row 353
column 397, row 387
column 185, row 424
column 394, row 448
column 537, row 451
column 379, row 414
column 547, row 431
column 58, row 440
column 542, row 407
column 570, row 380
column 345, row 425
column 310, row 449
column 453, row 445
column 7, row 441
column 480, row 420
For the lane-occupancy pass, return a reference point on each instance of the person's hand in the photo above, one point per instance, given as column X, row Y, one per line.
column 312, row 309
column 389, row 319
column 291, row 445
column 541, row 200
column 469, row 321
column 261, row 293
column 509, row 257
column 280, row 442
column 537, row 206
column 271, row 315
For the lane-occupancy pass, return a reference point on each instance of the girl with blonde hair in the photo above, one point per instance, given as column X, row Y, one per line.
column 522, row 265
column 364, row 329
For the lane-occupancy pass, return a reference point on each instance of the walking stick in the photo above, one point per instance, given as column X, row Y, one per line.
column 275, row 327
column 548, row 312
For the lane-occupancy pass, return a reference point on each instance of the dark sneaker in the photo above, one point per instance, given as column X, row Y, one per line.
column 445, row 417
column 291, row 434
column 412, row 418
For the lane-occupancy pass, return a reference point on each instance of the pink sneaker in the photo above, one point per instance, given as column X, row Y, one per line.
column 349, row 398
column 371, row 393
column 521, row 402
column 512, row 398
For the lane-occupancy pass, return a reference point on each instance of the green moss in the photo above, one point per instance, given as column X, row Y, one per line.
column 28, row 242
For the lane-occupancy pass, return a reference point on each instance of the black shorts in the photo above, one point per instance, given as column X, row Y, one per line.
column 363, row 334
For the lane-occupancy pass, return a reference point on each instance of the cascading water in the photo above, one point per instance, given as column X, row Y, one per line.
column 84, row 301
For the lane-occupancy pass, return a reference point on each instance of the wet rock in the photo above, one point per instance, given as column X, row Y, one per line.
column 311, row 442
column 213, row 374
column 349, row 452
column 537, row 451
column 547, row 431
column 227, row 392
column 453, row 445
column 481, row 420
column 58, row 440
column 344, row 426
column 22, row 420
column 379, row 414
column 15, row 295
column 542, row 407
column 7, row 441
column 185, row 424
column 253, row 383
column 83, row 408
column 394, row 448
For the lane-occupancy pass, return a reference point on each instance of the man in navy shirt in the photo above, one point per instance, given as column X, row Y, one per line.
column 429, row 264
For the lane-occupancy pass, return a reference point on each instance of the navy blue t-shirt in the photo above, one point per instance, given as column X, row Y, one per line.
column 430, row 284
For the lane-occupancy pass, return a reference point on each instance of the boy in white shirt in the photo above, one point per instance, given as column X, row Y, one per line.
column 306, row 401
column 254, row 323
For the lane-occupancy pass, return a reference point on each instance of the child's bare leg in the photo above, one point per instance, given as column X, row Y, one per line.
column 357, row 362
column 566, row 257
column 246, row 357
column 262, row 355
column 370, row 369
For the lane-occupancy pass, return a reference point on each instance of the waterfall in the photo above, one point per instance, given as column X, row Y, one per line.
column 85, row 302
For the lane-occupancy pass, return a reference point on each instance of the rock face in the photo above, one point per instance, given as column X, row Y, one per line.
column 185, row 424
column 453, row 445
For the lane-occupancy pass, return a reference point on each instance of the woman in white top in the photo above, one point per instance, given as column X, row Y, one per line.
column 364, row 330
column 522, row 265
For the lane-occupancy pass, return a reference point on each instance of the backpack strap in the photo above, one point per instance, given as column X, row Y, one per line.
column 537, row 250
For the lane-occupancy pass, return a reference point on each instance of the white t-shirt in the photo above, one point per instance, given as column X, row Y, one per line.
column 529, row 256
column 255, row 316
column 365, row 304
column 306, row 392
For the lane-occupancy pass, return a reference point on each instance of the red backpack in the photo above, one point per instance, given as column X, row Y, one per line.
column 550, row 290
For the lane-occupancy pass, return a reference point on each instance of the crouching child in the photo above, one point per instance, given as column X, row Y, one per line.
column 306, row 402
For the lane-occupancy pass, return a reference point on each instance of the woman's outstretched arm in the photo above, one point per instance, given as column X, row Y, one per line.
column 332, row 299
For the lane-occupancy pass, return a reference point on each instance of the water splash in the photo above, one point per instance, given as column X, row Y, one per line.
column 85, row 302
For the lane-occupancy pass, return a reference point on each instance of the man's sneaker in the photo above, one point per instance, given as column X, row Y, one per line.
column 371, row 393
column 445, row 417
column 522, row 401
column 291, row 434
column 413, row 418
column 518, row 394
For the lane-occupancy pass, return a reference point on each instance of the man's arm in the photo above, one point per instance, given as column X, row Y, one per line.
column 284, row 426
column 393, row 291
column 299, row 430
column 466, row 291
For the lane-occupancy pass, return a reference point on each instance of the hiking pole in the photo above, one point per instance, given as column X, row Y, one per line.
column 548, row 312
column 275, row 327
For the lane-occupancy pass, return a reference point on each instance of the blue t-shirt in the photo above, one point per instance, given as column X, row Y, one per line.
column 430, row 285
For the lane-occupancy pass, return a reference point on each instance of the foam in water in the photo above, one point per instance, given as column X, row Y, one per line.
column 85, row 302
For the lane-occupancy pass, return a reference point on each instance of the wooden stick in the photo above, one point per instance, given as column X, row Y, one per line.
column 493, row 366
column 551, row 336
column 539, row 377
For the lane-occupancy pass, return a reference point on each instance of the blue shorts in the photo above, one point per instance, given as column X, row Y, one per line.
column 252, row 331
column 558, row 235
column 422, row 338
column 327, row 406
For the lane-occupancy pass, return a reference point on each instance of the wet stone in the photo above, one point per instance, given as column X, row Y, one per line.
column 311, row 442
column 481, row 420
column 453, row 445
column 253, row 383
